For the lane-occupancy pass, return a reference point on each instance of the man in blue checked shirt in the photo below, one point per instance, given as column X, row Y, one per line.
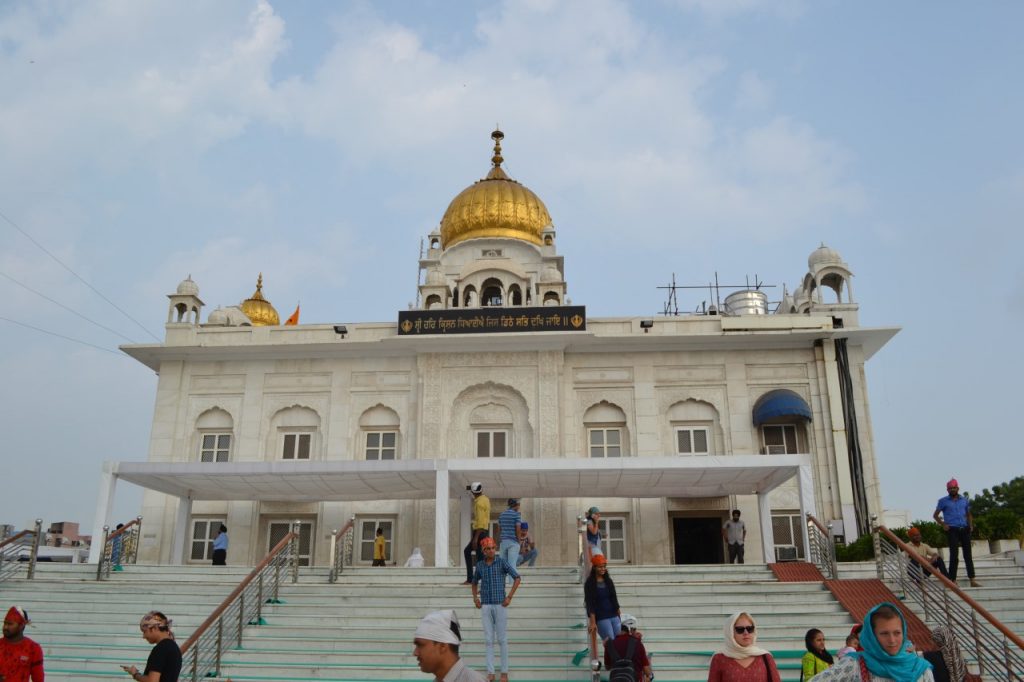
column 489, row 596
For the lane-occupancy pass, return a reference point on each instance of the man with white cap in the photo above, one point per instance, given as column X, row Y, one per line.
column 478, row 525
column 627, row 650
column 21, row 659
column 436, row 648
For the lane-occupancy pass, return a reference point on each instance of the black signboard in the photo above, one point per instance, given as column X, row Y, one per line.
column 571, row 318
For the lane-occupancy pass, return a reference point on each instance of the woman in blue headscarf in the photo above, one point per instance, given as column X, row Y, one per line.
column 885, row 657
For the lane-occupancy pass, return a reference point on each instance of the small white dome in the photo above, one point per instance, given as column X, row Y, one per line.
column 435, row 277
column 823, row 255
column 218, row 317
column 188, row 287
column 550, row 274
column 232, row 316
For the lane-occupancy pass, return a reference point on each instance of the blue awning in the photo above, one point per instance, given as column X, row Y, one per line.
column 780, row 403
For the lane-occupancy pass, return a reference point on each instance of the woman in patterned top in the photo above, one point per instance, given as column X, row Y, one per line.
column 739, row 659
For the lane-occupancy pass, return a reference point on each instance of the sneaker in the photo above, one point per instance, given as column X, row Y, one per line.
column 975, row 583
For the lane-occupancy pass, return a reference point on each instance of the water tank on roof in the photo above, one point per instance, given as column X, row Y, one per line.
column 747, row 302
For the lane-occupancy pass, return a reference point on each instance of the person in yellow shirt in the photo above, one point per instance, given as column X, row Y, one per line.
column 478, row 527
column 379, row 548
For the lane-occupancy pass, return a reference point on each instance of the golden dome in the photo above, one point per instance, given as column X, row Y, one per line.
column 496, row 206
column 258, row 309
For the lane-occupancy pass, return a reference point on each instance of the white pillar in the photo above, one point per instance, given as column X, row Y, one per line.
column 764, row 513
column 180, row 531
column 104, row 509
column 805, row 486
column 441, row 516
column 465, row 521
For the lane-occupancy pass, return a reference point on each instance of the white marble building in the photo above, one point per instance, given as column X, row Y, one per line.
column 665, row 424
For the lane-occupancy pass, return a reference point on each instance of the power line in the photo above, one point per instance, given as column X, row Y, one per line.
column 70, row 310
column 61, row 336
column 79, row 277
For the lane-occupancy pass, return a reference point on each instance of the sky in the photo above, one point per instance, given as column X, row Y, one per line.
column 320, row 142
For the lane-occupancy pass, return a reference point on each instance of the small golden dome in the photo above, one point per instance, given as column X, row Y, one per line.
column 496, row 206
column 258, row 309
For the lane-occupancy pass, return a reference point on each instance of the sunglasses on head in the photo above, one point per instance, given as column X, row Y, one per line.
column 740, row 629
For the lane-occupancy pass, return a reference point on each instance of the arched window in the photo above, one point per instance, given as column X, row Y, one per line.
column 694, row 427
column 551, row 298
column 433, row 301
column 605, row 426
column 491, row 425
column 781, row 416
column 379, row 433
column 491, row 293
column 214, row 429
column 295, row 434
column 515, row 295
column 469, row 296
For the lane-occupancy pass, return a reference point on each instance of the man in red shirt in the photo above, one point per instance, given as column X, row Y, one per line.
column 641, row 663
column 21, row 659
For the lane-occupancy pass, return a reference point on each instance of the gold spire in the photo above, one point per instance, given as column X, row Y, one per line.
column 258, row 309
column 495, row 207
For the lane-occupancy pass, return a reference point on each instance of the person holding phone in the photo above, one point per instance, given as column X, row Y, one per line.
column 164, row 663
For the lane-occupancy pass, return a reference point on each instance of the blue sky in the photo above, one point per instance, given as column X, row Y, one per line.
column 318, row 142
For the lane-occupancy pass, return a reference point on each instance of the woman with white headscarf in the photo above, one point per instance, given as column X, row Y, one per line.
column 739, row 659
column 885, row 656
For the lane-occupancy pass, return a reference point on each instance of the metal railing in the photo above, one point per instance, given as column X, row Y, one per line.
column 341, row 550
column 822, row 549
column 13, row 549
column 202, row 652
column 120, row 547
column 998, row 652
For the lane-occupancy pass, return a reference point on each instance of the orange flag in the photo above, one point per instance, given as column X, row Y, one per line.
column 294, row 319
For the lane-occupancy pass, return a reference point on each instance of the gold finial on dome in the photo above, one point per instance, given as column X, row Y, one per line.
column 496, row 172
column 258, row 309
column 495, row 207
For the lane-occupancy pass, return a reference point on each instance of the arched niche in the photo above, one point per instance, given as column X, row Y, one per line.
column 487, row 408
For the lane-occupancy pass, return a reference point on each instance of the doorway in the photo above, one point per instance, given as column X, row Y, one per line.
column 276, row 530
column 698, row 540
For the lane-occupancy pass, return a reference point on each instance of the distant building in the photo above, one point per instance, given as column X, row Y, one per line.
column 666, row 424
column 63, row 533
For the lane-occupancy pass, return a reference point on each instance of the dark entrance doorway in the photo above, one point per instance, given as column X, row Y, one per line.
column 698, row 540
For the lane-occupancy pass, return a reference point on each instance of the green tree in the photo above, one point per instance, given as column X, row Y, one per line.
column 1009, row 496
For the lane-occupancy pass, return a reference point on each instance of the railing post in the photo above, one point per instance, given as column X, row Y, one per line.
column 259, row 600
column 977, row 643
column 877, row 541
column 294, row 551
column 104, row 557
column 195, row 663
column 34, row 552
column 138, row 539
column 241, row 617
column 220, row 644
column 830, row 548
column 333, row 575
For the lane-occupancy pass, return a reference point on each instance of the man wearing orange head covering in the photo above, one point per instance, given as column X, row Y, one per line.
column 21, row 659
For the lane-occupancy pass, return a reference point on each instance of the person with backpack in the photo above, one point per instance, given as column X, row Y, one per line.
column 625, row 657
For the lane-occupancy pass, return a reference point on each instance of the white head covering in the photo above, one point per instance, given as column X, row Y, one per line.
column 415, row 559
column 734, row 650
column 437, row 627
